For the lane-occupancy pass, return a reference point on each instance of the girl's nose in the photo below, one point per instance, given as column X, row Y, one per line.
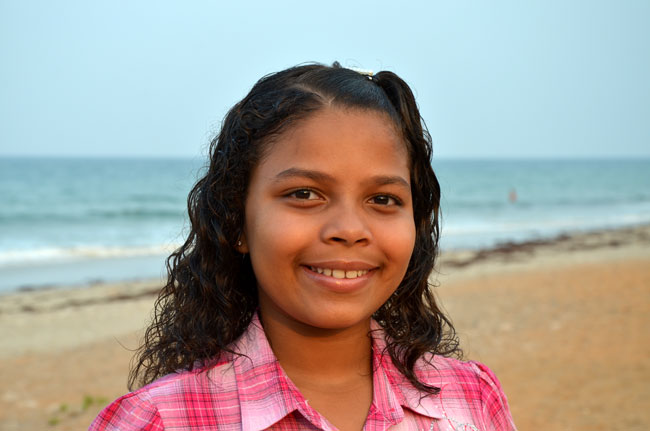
column 347, row 224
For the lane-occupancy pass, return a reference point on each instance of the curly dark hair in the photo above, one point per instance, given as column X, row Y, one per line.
column 211, row 294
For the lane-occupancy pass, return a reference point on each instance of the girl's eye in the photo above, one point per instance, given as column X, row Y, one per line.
column 384, row 200
column 304, row 194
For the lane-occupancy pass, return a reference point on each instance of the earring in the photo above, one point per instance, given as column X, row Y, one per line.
column 239, row 243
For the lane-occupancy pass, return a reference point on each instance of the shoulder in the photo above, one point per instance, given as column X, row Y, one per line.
column 468, row 384
column 447, row 370
column 167, row 401
column 130, row 412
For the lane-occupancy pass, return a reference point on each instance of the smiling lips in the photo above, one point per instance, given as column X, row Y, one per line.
column 339, row 273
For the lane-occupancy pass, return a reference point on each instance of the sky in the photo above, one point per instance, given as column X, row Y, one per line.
column 493, row 79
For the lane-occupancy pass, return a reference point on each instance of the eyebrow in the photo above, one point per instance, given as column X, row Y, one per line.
column 381, row 180
column 304, row 173
column 385, row 180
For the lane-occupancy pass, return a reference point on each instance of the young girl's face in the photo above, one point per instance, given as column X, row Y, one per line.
column 329, row 219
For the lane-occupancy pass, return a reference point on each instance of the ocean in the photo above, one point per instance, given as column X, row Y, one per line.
column 76, row 221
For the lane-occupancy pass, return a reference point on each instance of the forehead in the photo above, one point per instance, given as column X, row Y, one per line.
column 335, row 136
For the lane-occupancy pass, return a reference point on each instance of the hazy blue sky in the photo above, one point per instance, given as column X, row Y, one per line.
column 493, row 78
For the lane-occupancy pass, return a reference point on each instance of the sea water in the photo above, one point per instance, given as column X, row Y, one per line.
column 73, row 221
column 489, row 202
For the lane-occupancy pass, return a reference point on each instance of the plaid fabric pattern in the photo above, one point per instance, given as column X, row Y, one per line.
column 252, row 392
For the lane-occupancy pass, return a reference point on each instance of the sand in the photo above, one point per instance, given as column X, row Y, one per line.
column 563, row 323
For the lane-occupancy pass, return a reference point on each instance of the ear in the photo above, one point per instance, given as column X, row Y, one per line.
column 242, row 245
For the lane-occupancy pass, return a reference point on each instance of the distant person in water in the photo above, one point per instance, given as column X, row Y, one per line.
column 300, row 299
column 512, row 196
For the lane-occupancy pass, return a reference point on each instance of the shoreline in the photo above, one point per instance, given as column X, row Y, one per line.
column 85, row 272
column 544, row 314
column 569, row 241
column 80, row 272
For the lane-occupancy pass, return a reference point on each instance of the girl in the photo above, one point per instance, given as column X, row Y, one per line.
column 300, row 299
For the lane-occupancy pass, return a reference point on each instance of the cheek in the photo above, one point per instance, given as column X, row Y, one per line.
column 399, row 243
column 273, row 239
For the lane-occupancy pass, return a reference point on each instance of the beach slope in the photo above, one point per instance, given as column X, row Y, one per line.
column 562, row 322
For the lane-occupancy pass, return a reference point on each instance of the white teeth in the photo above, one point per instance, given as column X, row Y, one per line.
column 339, row 273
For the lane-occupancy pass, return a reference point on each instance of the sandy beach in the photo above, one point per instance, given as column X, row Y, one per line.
column 563, row 323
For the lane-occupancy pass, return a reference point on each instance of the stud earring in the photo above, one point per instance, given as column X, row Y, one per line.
column 238, row 243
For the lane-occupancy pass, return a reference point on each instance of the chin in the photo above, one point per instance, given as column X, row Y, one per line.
column 336, row 320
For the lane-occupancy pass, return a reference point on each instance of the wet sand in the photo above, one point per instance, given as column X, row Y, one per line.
column 562, row 322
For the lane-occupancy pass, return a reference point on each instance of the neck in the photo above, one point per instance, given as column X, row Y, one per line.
column 320, row 356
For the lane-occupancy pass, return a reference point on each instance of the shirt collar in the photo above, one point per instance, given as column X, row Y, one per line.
column 267, row 395
column 392, row 390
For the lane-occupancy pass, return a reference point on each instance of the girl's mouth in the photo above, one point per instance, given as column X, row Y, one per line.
column 339, row 273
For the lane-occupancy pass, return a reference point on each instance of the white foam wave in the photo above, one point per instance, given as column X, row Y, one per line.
column 53, row 254
column 541, row 225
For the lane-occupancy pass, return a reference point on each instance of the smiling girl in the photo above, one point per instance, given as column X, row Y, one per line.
column 300, row 300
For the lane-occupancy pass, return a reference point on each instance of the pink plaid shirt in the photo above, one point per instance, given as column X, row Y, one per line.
column 254, row 393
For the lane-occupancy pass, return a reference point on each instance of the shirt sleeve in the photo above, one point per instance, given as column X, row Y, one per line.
column 496, row 412
column 128, row 413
